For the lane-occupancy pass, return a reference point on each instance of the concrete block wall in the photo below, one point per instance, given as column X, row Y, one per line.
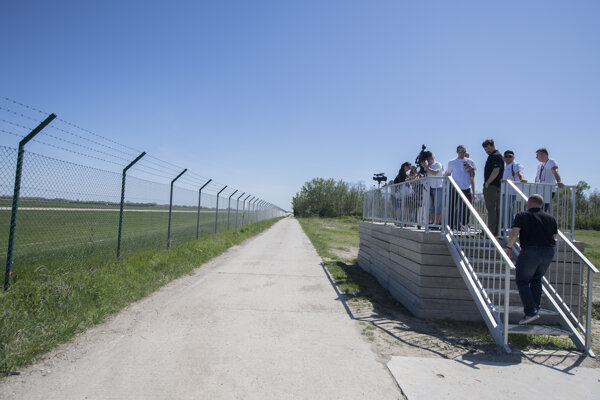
column 418, row 270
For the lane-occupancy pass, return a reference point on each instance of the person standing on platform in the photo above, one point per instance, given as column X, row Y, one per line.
column 547, row 172
column 460, row 169
column 492, row 175
column 434, row 168
column 513, row 171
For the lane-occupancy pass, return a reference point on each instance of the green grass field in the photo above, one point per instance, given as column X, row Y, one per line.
column 86, row 237
column 592, row 244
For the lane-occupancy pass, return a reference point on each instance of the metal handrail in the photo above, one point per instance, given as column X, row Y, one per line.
column 591, row 270
column 484, row 227
column 562, row 235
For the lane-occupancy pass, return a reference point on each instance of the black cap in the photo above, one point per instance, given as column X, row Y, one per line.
column 509, row 153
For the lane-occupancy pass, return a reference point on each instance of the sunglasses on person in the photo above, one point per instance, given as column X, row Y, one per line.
column 509, row 156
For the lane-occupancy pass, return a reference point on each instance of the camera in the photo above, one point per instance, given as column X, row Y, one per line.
column 379, row 178
column 422, row 157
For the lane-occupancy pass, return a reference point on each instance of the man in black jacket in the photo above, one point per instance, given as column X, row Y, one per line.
column 536, row 231
column 492, row 175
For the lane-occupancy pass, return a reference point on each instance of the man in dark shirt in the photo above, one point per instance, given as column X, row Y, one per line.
column 536, row 231
column 492, row 175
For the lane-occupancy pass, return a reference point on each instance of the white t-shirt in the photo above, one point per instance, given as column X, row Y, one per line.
column 461, row 176
column 544, row 172
column 511, row 172
column 436, row 183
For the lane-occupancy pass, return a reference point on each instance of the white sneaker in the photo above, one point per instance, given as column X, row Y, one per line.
column 528, row 318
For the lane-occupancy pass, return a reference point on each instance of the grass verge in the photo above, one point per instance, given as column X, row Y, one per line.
column 55, row 304
column 592, row 244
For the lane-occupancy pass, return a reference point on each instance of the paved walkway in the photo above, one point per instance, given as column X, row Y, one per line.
column 260, row 322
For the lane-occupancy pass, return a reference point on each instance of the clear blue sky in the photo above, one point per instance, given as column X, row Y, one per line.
column 265, row 95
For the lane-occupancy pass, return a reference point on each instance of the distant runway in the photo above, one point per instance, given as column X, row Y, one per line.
column 102, row 209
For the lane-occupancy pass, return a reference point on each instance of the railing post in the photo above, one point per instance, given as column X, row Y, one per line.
column 237, row 209
column 385, row 203
column 15, row 200
column 588, row 309
column 506, row 303
column 229, row 207
column 445, row 204
column 171, row 208
column 573, row 204
column 123, row 202
column 199, row 199
column 426, row 199
column 217, row 209
column 373, row 208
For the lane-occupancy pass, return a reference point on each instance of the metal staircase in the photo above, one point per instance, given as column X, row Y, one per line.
column 489, row 275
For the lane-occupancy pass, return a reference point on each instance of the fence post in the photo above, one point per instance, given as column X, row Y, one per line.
column 263, row 209
column 200, row 198
column 229, row 208
column 15, row 200
column 260, row 208
column 244, row 212
column 171, row 208
column 123, row 202
column 217, row 209
column 237, row 209
column 254, row 210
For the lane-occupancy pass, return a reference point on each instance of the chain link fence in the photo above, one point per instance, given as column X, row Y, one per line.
column 70, row 213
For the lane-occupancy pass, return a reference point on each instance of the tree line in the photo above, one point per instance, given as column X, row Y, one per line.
column 328, row 198
column 587, row 207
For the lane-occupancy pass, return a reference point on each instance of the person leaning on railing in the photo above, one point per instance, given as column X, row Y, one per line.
column 536, row 231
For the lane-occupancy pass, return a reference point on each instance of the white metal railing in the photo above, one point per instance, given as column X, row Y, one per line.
column 569, row 280
column 481, row 260
column 406, row 204
column 560, row 203
column 477, row 252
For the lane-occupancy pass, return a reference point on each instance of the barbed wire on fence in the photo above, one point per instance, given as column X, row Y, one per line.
column 74, row 198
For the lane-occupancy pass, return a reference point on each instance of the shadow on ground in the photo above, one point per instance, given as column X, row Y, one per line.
column 394, row 331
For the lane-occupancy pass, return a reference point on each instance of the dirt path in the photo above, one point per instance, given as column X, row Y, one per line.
column 260, row 322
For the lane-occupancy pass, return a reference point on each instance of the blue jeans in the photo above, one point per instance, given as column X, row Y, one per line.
column 435, row 207
column 532, row 264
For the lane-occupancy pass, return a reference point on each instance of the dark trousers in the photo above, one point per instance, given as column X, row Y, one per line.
column 491, row 194
column 532, row 264
column 458, row 210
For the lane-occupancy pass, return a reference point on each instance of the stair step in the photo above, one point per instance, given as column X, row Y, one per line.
column 495, row 275
column 485, row 261
column 518, row 309
column 500, row 292
column 532, row 329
